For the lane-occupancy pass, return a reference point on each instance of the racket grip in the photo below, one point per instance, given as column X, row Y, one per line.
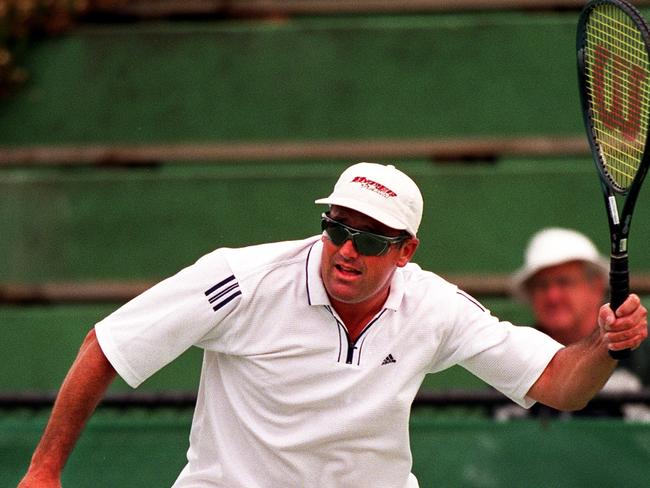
column 619, row 289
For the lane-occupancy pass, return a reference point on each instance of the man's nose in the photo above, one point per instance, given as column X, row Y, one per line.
column 347, row 250
column 554, row 290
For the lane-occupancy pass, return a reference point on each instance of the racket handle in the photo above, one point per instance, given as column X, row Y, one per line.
column 619, row 289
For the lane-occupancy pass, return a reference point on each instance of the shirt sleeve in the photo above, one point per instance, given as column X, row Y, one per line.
column 508, row 357
column 156, row 327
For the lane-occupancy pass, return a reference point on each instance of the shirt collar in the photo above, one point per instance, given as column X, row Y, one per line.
column 317, row 295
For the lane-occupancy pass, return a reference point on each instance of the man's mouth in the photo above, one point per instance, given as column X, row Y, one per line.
column 347, row 270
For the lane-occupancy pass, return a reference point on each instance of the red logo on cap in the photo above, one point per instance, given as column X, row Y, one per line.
column 374, row 186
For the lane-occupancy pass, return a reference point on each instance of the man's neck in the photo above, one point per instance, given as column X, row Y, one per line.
column 356, row 316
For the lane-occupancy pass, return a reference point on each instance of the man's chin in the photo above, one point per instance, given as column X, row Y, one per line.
column 559, row 323
column 346, row 298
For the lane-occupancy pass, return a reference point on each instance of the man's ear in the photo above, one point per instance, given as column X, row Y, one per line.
column 407, row 251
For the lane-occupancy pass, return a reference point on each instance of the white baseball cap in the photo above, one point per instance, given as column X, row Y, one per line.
column 382, row 192
column 553, row 246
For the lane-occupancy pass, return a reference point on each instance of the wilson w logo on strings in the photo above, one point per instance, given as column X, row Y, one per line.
column 618, row 108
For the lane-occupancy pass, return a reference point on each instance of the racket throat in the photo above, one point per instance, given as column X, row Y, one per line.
column 612, row 208
column 618, row 231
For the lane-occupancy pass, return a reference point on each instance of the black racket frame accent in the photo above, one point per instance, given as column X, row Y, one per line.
column 619, row 225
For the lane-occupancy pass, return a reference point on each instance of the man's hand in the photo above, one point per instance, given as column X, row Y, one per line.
column 626, row 329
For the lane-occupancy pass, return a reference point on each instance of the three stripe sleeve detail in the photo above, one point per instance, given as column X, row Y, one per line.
column 223, row 292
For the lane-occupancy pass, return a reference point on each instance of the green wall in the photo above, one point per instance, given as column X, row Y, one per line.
column 88, row 224
column 436, row 75
column 319, row 78
column 145, row 449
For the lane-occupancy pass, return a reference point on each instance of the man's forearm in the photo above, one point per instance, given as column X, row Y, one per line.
column 81, row 391
column 575, row 375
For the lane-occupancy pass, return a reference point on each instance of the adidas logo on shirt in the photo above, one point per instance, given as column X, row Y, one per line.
column 389, row 359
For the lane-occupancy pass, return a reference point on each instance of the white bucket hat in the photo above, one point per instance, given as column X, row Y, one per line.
column 381, row 192
column 553, row 246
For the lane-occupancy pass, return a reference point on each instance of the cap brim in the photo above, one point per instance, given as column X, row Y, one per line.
column 365, row 209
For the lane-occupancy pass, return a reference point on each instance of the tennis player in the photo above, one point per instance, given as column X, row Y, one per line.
column 315, row 349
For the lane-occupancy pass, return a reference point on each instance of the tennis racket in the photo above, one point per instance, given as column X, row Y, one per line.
column 614, row 82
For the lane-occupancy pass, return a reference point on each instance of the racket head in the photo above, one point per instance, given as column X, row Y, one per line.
column 613, row 42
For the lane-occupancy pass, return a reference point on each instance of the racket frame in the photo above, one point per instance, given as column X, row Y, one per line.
column 619, row 223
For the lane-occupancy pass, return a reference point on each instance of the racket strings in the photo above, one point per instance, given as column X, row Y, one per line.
column 620, row 34
column 618, row 82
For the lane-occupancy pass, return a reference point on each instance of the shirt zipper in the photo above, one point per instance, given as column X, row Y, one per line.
column 352, row 345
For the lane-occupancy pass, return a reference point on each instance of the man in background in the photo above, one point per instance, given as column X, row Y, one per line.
column 564, row 279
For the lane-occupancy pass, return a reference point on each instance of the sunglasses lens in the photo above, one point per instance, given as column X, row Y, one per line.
column 337, row 233
column 369, row 245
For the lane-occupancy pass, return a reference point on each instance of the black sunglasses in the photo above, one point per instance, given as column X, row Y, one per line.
column 365, row 243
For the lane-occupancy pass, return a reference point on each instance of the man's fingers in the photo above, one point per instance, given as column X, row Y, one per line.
column 631, row 304
column 627, row 335
column 630, row 313
column 626, row 328
column 633, row 343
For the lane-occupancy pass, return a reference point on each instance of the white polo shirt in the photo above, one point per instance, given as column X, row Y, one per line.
column 285, row 400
